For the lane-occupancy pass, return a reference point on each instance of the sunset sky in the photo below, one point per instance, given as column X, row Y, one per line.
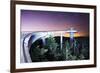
column 51, row 21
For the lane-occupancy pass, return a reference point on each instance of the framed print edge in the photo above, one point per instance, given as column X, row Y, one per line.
column 13, row 36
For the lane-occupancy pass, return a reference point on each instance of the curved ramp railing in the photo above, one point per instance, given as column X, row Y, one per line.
column 26, row 44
